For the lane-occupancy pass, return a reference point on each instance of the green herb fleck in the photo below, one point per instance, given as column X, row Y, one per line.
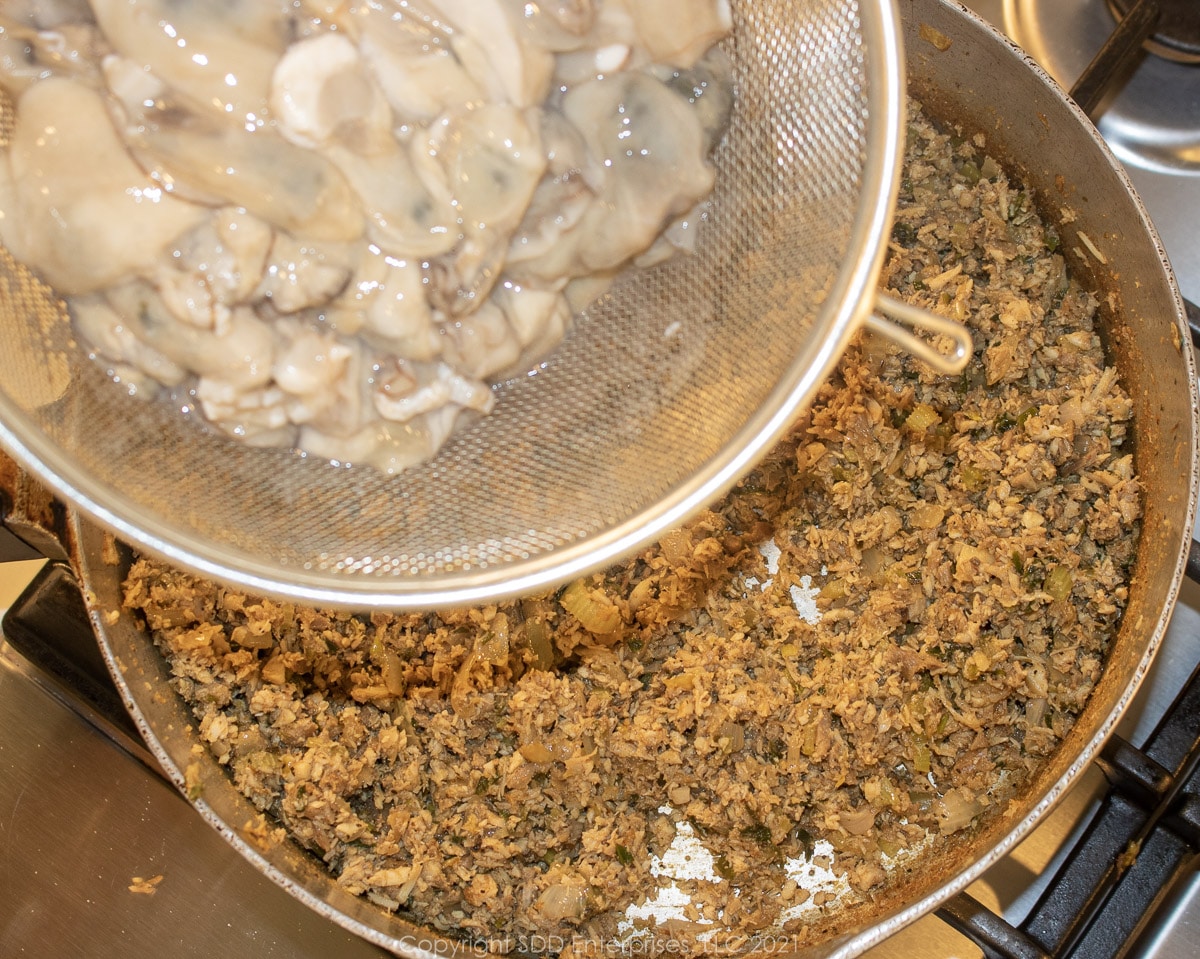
column 1003, row 423
column 758, row 832
column 804, row 837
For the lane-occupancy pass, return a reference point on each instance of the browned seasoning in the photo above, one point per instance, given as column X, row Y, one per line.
column 950, row 560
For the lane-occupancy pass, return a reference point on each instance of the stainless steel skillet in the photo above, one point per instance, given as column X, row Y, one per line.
column 968, row 74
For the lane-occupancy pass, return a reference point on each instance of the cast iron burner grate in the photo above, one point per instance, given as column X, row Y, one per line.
column 1167, row 28
column 1142, row 840
column 48, row 626
column 1176, row 31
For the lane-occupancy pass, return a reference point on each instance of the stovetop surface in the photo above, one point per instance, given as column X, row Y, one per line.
column 102, row 828
column 121, row 866
column 1152, row 124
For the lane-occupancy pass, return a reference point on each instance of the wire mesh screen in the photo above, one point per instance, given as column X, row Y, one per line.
column 658, row 382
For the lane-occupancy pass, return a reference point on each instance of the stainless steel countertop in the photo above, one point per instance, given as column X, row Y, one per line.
column 77, row 902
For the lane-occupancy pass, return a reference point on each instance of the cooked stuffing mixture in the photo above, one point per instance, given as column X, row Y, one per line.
column 874, row 638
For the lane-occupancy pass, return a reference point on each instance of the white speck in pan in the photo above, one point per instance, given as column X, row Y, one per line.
column 804, row 597
column 670, row 902
column 686, row 858
column 810, row 873
column 771, row 553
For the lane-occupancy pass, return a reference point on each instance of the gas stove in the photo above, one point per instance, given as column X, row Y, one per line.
column 1151, row 119
column 100, row 857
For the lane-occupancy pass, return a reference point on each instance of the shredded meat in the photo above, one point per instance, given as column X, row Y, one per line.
column 875, row 638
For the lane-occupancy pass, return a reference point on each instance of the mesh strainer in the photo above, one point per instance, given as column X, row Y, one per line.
column 664, row 394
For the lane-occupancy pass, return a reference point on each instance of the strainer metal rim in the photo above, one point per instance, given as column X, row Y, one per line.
column 852, row 298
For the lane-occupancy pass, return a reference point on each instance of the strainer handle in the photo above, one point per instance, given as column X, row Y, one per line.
column 899, row 312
